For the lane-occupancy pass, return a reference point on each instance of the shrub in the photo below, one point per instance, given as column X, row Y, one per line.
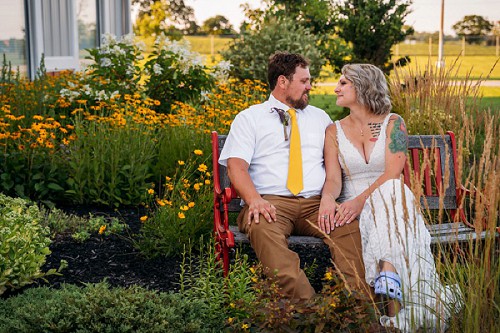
column 97, row 308
column 249, row 55
column 175, row 74
column 114, row 69
column 24, row 243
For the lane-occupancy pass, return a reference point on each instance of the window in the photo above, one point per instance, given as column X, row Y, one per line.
column 13, row 34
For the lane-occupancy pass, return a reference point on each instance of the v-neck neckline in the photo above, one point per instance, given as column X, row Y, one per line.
column 363, row 156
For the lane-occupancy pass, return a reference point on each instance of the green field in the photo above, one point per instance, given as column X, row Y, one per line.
column 324, row 98
column 477, row 62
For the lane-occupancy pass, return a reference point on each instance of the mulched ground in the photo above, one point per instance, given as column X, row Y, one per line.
column 115, row 259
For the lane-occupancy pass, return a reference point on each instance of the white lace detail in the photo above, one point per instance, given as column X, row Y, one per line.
column 393, row 230
column 357, row 175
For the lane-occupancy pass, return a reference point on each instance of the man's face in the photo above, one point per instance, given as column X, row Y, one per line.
column 297, row 90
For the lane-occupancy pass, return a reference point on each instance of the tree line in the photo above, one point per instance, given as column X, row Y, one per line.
column 330, row 31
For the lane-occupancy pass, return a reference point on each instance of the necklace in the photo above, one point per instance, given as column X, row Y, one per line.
column 359, row 128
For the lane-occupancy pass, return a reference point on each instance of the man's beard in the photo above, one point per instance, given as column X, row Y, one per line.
column 298, row 103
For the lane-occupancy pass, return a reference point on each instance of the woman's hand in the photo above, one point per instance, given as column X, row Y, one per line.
column 326, row 214
column 348, row 211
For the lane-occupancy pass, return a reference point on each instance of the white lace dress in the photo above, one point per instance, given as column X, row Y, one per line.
column 393, row 230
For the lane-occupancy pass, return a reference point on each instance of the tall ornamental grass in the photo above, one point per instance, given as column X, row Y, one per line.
column 433, row 101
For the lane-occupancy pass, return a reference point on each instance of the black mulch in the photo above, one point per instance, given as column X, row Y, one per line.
column 115, row 259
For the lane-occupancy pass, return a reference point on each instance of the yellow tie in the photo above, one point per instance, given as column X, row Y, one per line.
column 295, row 183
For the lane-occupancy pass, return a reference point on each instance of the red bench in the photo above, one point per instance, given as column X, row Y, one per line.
column 432, row 161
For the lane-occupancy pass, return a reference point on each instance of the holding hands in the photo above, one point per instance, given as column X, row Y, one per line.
column 331, row 214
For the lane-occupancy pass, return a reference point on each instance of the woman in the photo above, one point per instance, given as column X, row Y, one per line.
column 365, row 153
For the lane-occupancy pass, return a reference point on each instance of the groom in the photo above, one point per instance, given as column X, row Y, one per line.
column 274, row 157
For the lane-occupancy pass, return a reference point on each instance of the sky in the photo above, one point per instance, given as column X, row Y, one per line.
column 425, row 16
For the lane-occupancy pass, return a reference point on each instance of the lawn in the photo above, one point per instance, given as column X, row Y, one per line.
column 323, row 96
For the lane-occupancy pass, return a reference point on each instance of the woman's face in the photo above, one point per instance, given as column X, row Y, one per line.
column 346, row 93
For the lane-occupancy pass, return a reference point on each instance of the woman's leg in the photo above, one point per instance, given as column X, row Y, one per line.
column 393, row 305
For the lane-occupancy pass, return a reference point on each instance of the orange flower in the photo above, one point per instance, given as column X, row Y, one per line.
column 102, row 229
column 144, row 218
column 181, row 215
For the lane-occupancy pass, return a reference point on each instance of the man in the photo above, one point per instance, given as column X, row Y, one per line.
column 282, row 198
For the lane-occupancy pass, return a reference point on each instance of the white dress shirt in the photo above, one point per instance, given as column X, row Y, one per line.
column 257, row 136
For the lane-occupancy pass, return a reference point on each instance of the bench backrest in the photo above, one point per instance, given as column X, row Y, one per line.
column 431, row 162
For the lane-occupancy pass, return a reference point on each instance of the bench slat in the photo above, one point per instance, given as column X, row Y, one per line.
column 440, row 233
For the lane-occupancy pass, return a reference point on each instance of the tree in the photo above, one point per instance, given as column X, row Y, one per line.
column 372, row 27
column 171, row 17
column 473, row 27
column 313, row 15
column 250, row 53
column 217, row 25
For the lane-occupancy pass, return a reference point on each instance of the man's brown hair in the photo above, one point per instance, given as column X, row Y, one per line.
column 284, row 63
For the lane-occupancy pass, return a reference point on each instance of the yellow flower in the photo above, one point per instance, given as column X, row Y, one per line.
column 184, row 208
column 181, row 215
column 207, row 181
column 198, row 152
column 252, row 270
column 181, row 162
column 197, row 186
column 328, row 276
column 230, row 320
column 144, row 218
column 151, row 191
column 245, row 326
column 191, row 204
column 232, row 305
column 102, row 229
column 160, row 202
column 202, row 168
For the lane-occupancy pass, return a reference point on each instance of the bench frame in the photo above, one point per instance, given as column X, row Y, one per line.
column 424, row 151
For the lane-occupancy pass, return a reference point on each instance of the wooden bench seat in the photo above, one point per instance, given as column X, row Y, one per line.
column 432, row 162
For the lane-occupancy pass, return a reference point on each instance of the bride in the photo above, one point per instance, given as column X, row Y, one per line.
column 365, row 154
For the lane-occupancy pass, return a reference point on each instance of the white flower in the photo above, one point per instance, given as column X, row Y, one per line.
column 118, row 50
column 101, row 95
column 106, row 62
column 224, row 65
column 221, row 71
column 157, row 69
column 128, row 39
column 205, row 95
column 107, row 39
column 114, row 93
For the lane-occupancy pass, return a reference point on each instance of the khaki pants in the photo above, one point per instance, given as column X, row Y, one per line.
column 269, row 241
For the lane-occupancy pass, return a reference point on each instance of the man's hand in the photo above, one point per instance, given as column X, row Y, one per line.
column 262, row 207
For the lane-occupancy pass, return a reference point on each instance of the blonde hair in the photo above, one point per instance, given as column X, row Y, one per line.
column 370, row 85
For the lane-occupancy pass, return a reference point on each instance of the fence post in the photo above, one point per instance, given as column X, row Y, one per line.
column 211, row 45
column 497, row 43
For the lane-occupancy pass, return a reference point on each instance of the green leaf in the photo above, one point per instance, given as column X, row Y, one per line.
column 55, row 187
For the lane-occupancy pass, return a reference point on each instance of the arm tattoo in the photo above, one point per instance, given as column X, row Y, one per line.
column 399, row 137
